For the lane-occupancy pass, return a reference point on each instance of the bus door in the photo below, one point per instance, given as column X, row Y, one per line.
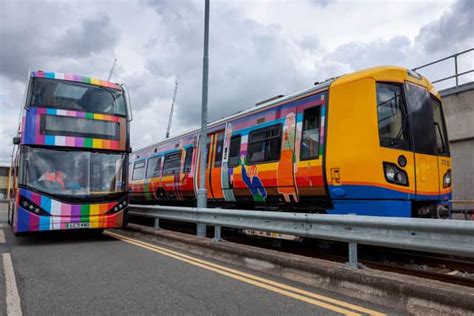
column 214, row 163
column 424, row 142
column 309, row 147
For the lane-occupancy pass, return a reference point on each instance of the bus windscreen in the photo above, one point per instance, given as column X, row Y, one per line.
column 72, row 173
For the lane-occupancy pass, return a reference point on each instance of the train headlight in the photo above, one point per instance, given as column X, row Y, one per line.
column 447, row 179
column 395, row 175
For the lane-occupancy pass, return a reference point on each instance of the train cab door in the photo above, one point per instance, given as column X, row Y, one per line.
column 442, row 144
column 214, row 164
column 424, row 142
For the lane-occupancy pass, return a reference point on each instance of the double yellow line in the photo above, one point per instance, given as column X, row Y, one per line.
column 283, row 289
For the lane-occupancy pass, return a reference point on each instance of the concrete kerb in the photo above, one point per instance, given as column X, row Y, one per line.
column 404, row 293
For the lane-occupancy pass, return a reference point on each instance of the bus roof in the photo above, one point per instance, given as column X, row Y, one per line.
column 76, row 78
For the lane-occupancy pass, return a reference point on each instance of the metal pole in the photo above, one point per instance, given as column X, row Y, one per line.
column 9, row 182
column 353, row 255
column 157, row 223
column 172, row 110
column 202, row 193
column 112, row 69
column 217, row 233
column 456, row 68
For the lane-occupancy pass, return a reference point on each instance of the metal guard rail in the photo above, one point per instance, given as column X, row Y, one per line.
column 430, row 235
column 456, row 73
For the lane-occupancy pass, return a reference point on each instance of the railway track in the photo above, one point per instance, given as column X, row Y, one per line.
column 446, row 269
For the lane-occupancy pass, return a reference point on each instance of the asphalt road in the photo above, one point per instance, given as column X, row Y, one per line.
column 98, row 274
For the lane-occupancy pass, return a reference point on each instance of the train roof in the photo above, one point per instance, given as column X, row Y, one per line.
column 387, row 73
column 259, row 107
column 380, row 73
column 75, row 78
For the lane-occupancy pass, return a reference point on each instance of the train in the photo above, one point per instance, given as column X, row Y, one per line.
column 373, row 142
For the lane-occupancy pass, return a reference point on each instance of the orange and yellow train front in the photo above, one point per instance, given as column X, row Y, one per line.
column 387, row 146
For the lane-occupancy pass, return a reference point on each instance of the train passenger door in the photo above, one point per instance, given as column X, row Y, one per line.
column 153, row 176
column 187, row 189
column 214, row 164
column 171, row 175
column 309, row 147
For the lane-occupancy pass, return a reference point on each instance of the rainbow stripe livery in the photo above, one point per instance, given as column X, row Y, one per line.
column 60, row 215
column 32, row 134
column 76, row 78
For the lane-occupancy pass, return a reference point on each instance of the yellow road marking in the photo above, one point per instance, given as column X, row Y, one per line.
column 277, row 287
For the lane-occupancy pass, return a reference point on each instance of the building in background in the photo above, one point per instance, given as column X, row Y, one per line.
column 459, row 111
column 4, row 168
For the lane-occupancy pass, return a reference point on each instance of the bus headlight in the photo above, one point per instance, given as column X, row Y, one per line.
column 32, row 207
column 395, row 175
column 447, row 179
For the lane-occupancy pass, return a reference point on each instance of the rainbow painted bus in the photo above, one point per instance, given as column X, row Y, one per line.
column 71, row 155
column 373, row 142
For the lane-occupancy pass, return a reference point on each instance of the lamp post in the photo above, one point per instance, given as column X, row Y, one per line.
column 202, row 193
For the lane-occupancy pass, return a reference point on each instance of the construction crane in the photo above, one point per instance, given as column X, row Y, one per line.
column 112, row 69
column 171, row 111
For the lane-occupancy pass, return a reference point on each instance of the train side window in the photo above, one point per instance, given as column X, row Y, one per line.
column 138, row 170
column 188, row 160
column 208, row 147
column 392, row 116
column 219, row 147
column 234, row 151
column 264, row 144
column 172, row 163
column 153, row 167
column 440, row 127
column 311, row 130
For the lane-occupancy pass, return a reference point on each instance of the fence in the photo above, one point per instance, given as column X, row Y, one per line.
column 456, row 73
column 430, row 235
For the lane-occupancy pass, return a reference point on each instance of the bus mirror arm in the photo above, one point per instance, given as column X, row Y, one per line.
column 16, row 140
column 128, row 102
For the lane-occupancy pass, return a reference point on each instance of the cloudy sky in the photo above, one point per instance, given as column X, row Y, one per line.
column 258, row 49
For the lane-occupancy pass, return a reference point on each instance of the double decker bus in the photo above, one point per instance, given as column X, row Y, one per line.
column 71, row 155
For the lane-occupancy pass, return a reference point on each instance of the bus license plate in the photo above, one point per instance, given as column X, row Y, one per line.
column 78, row 225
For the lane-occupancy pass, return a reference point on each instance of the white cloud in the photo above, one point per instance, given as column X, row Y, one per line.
column 257, row 49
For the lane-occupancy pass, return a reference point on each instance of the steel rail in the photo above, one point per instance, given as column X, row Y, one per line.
column 429, row 235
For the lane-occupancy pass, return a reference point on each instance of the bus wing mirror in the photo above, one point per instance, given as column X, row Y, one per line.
column 128, row 102
column 16, row 140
